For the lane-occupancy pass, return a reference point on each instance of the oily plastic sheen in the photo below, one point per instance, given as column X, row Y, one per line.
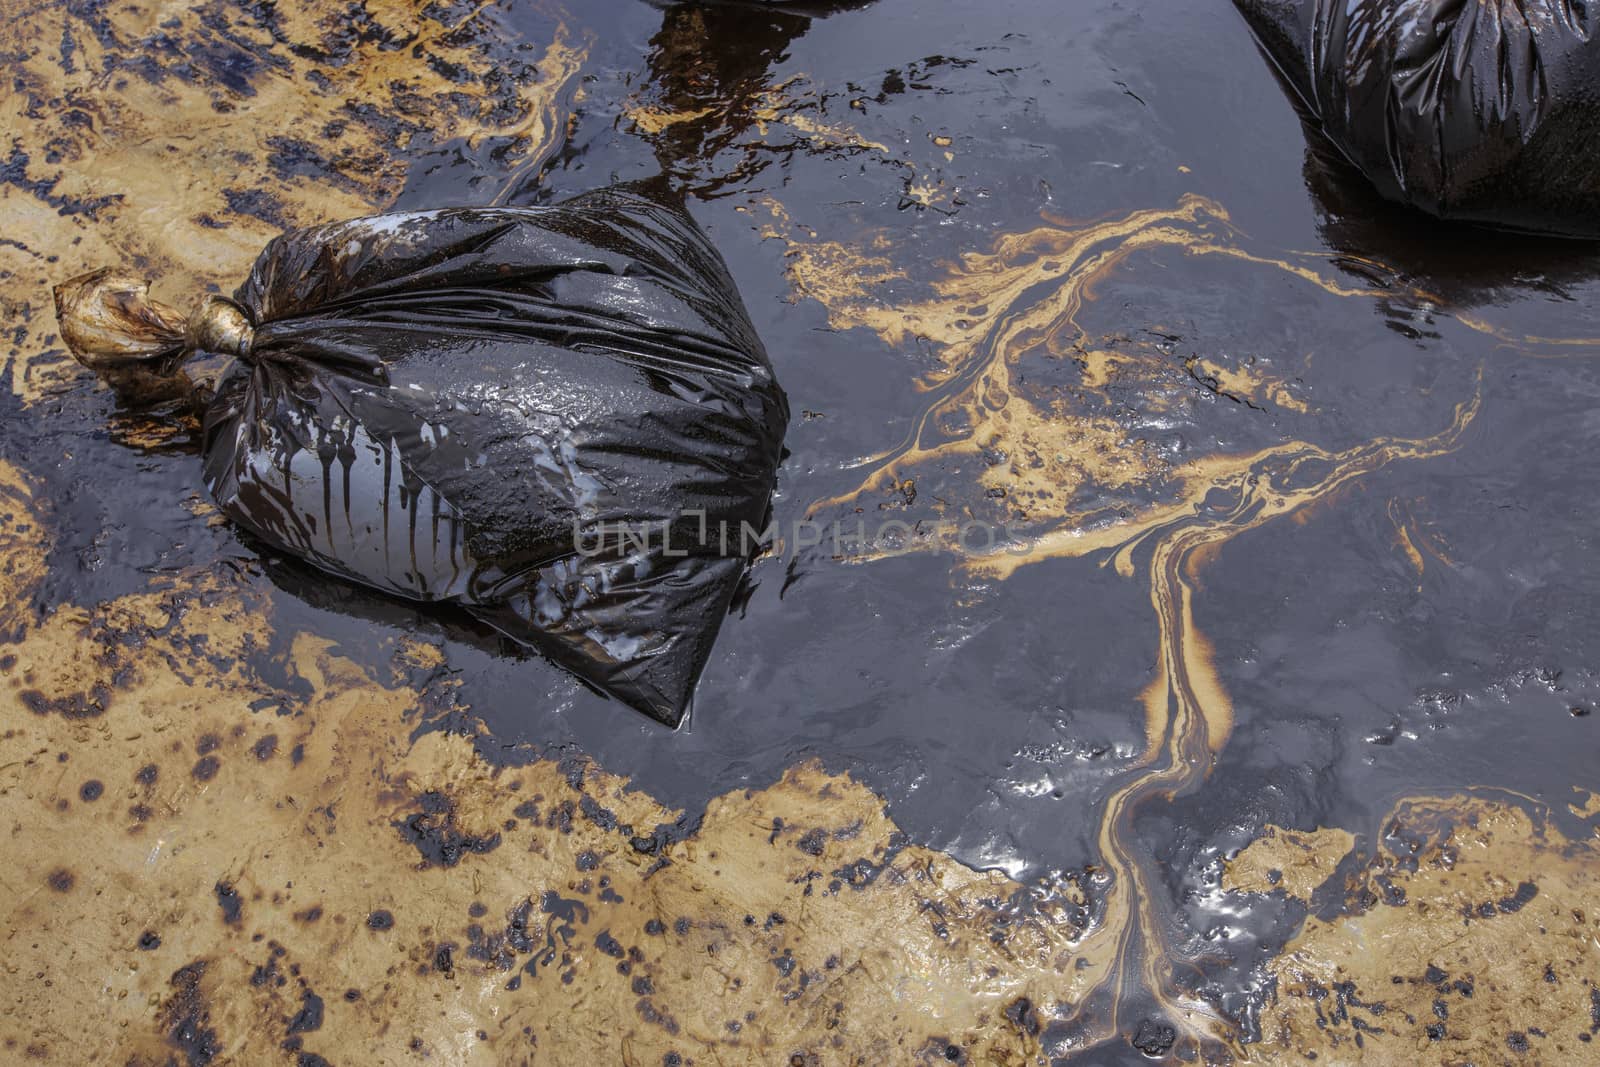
column 558, row 418
column 447, row 405
column 1467, row 109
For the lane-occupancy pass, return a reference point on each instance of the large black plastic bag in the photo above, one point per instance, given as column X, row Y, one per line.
column 471, row 405
column 1479, row 110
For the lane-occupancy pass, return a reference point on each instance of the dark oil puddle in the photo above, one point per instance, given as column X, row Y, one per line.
column 1333, row 545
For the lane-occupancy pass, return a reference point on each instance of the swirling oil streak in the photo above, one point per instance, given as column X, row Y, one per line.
column 1047, row 273
column 986, row 315
column 992, row 309
column 1189, row 713
column 550, row 118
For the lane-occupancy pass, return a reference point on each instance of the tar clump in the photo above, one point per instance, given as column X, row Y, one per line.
column 558, row 418
column 1466, row 109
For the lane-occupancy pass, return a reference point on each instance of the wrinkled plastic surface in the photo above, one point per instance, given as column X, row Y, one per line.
column 1474, row 110
column 448, row 405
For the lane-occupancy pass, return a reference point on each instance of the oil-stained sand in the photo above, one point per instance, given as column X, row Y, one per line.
column 211, row 884
column 220, row 885
column 257, row 818
column 175, row 140
column 1468, row 935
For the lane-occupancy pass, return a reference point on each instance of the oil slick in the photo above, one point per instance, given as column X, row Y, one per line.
column 988, row 315
column 231, row 843
column 1063, row 465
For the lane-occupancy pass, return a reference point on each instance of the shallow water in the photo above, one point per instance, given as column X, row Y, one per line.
column 1304, row 481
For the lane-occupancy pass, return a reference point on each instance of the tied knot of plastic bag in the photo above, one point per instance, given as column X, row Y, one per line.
column 219, row 325
column 110, row 322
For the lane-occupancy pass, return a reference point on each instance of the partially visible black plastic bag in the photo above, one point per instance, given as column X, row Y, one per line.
column 559, row 418
column 1478, row 110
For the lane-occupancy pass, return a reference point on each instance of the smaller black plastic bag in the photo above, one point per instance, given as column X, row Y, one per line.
column 1477, row 110
column 558, row 418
